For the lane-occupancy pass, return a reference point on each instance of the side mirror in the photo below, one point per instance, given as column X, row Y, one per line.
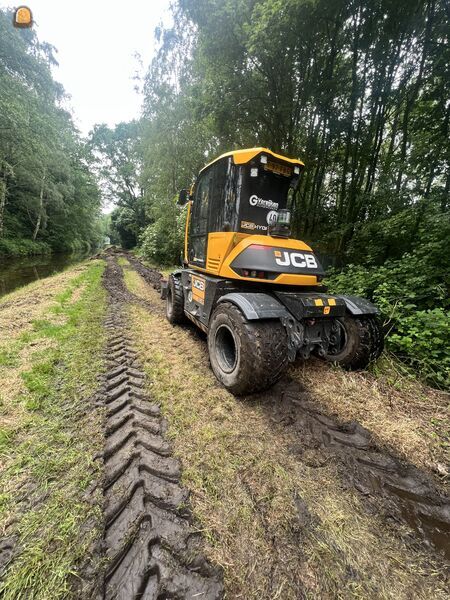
column 183, row 197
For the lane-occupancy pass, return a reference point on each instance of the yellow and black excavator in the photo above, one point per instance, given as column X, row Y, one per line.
column 252, row 288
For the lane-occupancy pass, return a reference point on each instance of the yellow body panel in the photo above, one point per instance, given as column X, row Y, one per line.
column 241, row 157
column 220, row 244
column 224, row 247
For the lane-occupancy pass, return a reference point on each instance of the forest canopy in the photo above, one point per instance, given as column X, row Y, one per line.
column 49, row 198
column 359, row 90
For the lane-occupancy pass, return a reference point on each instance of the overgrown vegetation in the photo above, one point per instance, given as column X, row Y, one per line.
column 412, row 294
column 48, row 439
column 162, row 241
column 49, row 200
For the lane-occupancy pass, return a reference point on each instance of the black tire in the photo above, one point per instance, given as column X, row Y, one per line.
column 175, row 301
column 361, row 342
column 245, row 356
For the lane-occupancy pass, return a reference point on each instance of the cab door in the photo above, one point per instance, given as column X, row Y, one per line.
column 198, row 230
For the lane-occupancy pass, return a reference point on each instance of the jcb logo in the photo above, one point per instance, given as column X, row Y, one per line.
column 198, row 289
column 296, row 259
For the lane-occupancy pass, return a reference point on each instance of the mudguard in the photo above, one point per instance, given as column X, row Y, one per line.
column 256, row 306
column 359, row 306
column 259, row 305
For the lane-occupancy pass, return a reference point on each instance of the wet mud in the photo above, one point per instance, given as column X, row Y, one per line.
column 8, row 548
column 405, row 493
column 151, row 276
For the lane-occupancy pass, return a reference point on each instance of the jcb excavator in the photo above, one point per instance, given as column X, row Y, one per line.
column 252, row 288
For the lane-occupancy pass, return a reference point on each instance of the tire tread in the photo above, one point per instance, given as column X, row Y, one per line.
column 367, row 343
column 177, row 316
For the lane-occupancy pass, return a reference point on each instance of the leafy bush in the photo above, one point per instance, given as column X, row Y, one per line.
column 411, row 294
column 423, row 338
column 23, row 247
column 162, row 241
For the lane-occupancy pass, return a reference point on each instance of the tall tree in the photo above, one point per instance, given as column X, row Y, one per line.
column 118, row 167
column 42, row 160
column 356, row 89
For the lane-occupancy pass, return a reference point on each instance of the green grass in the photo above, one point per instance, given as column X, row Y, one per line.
column 49, row 452
column 123, row 262
column 8, row 357
column 135, row 283
column 166, row 270
column 9, row 352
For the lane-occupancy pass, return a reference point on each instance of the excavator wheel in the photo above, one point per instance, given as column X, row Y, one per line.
column 245, row 356
column 361, row 342
column 175, row 301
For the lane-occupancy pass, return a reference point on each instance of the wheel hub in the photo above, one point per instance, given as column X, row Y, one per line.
column 226, row 348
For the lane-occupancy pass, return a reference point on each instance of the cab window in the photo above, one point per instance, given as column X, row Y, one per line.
column 199, row 222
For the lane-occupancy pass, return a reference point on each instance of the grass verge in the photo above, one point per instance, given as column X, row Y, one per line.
column 122, row 261
column 49, row 436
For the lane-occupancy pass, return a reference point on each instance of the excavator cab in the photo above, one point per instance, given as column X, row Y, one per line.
column 238, row 224
column 254, row 289
column 241, row 192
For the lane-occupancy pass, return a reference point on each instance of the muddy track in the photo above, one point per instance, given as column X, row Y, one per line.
column 406, row 493
column 152, row 548
column 403, row 492
column 151, row 276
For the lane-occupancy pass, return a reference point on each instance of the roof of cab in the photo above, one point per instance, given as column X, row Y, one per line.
column 241, row 157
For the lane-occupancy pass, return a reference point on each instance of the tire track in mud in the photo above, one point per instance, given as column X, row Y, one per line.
column 151, row 276
column 407, row 493
column 152, row 548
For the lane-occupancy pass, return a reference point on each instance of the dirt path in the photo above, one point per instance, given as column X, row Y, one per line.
column 412, row 493
column 409, row 494
column 281, row 495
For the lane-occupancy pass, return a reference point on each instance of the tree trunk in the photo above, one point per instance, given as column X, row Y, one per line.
column 411, row 98
column 446, row 194
column 41, row 208
column 2, row 205
column 351, row 111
